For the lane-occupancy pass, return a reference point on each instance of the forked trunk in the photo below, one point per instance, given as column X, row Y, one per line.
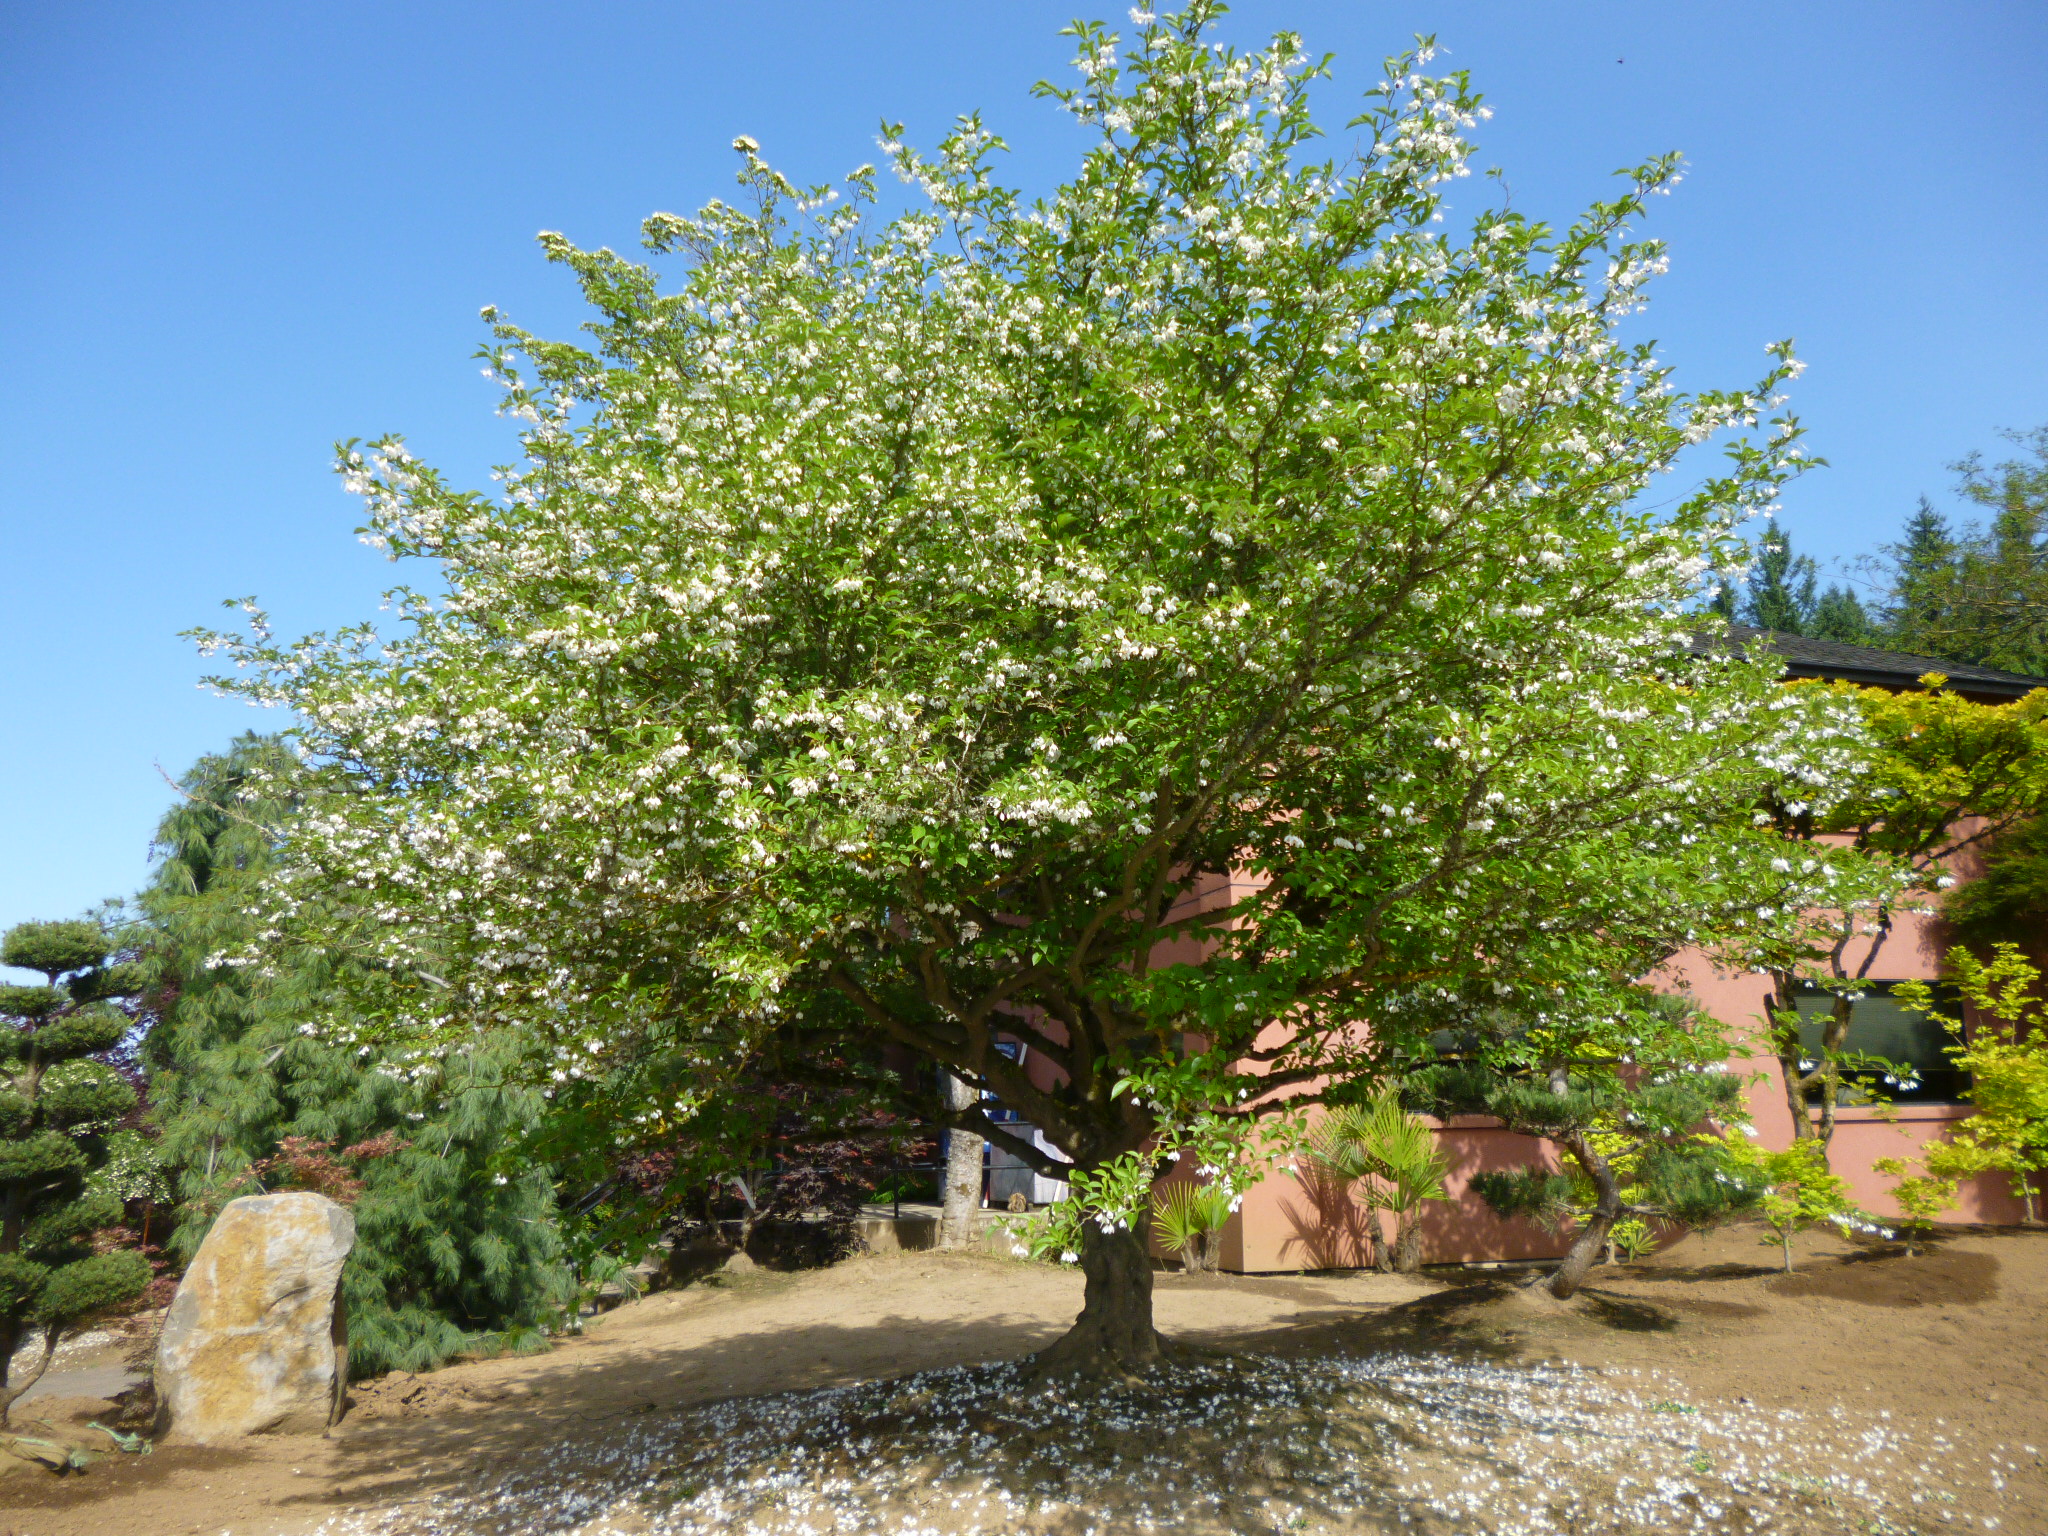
column 1113, row 1337
column 14, row 1389
column 1816, row 1121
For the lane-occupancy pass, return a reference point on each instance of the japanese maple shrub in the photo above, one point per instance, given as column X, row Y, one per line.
column 2005, row 1051
column 1942, row 776
column 1794, row 1188
column 57, row 1106
column 903, row 628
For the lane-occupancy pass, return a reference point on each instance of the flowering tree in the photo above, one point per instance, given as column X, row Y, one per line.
column 1165, row 624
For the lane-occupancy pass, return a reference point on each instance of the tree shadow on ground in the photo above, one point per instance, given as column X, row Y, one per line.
column 1890, row 1277
column 1625, row 1313
column 1697, row 1274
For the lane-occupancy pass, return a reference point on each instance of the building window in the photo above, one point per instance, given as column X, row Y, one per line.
column 1882, row 1027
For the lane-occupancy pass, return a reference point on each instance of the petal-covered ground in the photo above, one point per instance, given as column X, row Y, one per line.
column 1404, row 1443
column 1872, row 1393
column 1248, row 1444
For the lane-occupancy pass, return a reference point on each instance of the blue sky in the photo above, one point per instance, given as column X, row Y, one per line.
column 231, row 234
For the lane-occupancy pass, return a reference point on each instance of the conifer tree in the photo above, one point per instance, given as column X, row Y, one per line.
column 1781, row 586
column 1979, row 594
column 1915, row 612
column 2002, row 576
column 1629, row 1112
column 1840, row 615
column 57, row 1104
column 1784, row 595
column 453, row 1244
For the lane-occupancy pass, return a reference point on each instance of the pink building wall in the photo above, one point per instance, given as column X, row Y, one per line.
column 1912, row 951
column 1287, row 1223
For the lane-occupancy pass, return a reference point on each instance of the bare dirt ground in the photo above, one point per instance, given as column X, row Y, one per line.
column 1871, row 1392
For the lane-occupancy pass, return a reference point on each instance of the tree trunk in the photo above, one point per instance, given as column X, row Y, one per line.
column 1827, row 1077
column 1382, row 1255
column 1113, row 1336
column 1585, row 1248
column 1408, row 1245
column 12, row 1392
column 962, row 1194
column 1785, row 1040
column 753, row 1210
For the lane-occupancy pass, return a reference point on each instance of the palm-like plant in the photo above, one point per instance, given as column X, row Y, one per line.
column 1187, row 1219
column 1391, row 1159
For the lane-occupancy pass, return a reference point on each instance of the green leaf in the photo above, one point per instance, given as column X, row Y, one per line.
column 89, row 1286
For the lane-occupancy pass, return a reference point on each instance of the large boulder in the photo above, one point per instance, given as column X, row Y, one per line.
column 255, row 1341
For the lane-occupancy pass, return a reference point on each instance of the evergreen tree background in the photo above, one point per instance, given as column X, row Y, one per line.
column 1783, row 594
column 1980, row 593
column 1915, row 610
column 60, row 1102
column 457, row 1249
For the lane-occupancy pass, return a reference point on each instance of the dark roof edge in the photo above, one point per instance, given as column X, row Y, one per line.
column 1834, row 661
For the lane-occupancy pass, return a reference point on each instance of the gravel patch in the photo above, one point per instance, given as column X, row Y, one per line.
column 1410, row 1444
